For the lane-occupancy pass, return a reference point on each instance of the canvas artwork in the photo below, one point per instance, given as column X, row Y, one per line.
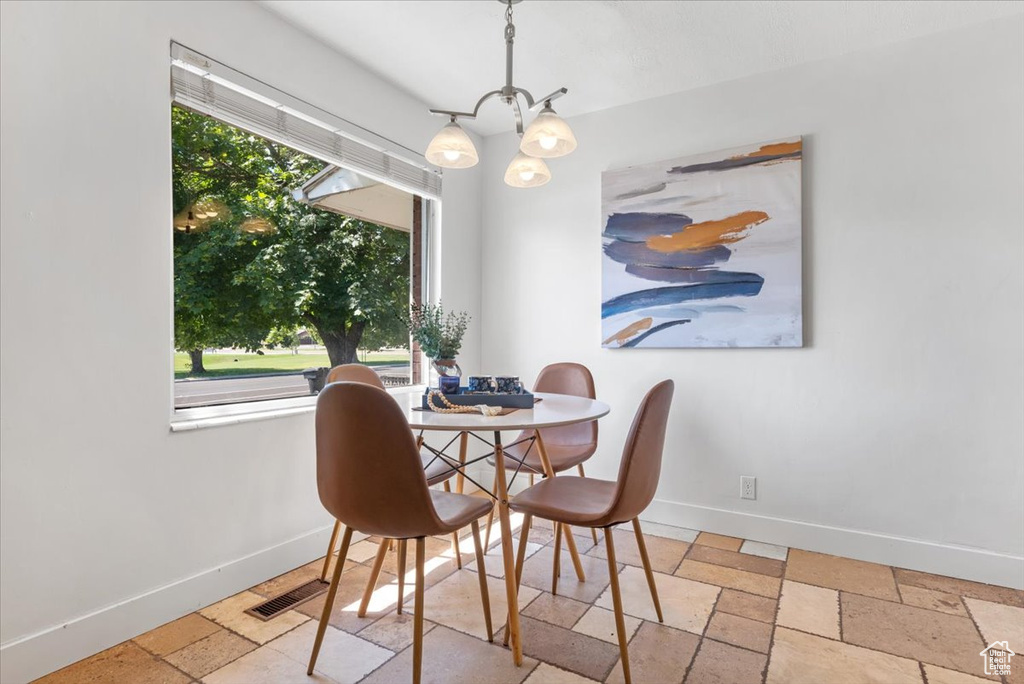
column 704, row 251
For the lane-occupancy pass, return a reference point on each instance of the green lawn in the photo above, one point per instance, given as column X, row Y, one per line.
column 219, row 365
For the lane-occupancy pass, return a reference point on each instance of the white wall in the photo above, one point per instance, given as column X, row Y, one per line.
column 110, row 524
column 895, row 435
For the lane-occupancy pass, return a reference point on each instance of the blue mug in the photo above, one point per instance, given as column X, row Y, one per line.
column 482, row 383
column 509, row 384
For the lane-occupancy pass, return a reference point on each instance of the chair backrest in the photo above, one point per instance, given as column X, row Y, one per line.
column 354, row 372
column 641, row 455
column 368, row 470
column 574, row 379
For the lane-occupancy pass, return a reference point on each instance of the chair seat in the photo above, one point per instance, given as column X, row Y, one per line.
column 458, row 510
column 436, row 472
column 581, row 501
column 562, row 456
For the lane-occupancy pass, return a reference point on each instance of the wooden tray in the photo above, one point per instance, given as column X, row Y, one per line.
column 466, row 398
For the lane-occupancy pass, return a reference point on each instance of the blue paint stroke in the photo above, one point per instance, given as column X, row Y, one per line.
column 638, row 226
column 690, row 312
column 727, row 164
column 674, row 275
column 639, row 254
column 740, row 285
column 658, row 328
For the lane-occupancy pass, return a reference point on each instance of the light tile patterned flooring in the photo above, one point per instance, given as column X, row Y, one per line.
column 735, row 611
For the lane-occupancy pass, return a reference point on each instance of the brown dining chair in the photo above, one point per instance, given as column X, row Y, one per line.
column 370, row 477
column 567, row 447
column 593, row 503
column 437, row 472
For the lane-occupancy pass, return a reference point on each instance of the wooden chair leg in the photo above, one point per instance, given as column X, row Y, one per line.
column 455, row 537
column 417, row 622
column 524, row 534
column 574, row 555
column 371, row 583
column 647, row 566
column 325, row 617
column 401, row 574
column 531, row 479
column 490, row 516
column 593, row 530
column 481, row 571
column 556, row 568
column 460, row 479
column 330, row 549
column 620, row 623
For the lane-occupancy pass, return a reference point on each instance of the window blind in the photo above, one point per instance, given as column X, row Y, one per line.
column 206, row 86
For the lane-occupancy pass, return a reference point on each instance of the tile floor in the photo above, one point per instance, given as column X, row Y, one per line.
column 735, row 611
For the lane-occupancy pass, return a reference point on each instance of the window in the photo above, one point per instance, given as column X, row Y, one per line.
column 286, row 261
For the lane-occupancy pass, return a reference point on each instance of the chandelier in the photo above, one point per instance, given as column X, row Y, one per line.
column 547, row 137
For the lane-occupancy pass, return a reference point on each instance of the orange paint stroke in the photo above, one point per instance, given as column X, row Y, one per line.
column 774, row 149
column 630, row 330
column 709, row 233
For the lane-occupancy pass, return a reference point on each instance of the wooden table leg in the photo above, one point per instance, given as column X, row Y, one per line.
column 506, row 552
column 460, row 478
column 570, row 542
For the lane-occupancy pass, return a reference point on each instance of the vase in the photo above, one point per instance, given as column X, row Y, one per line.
column 449, row 375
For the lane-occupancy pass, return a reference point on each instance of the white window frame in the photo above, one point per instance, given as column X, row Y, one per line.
column 354, row 148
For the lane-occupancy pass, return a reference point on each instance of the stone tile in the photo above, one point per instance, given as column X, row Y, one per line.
column 718, row 541
column 600, row 624
column 568, row 650
column 685, row 604
column 436, row 553
column 266, row 666
column 739, row 631
column 558, row 610
column 228, row 613
column 393, row 631
column 494, row 560
column 926, row 635
column 350, row 592
column 450, row 657
column 549, row 674
column 721, row 576
column 940, row 675
column 932, row 600
column 455, row 603
column 344, row 658
column 292, row 579
column 756, row 548
column 537, row 574
column 178, row 634
column 125, row 662
column 718, row 663
column 844, row 574
column 209, row 654
column 809, row 609
column 682, row 534
column 950, row 585
column 657, row 654
column 665, row 554
column 747, row 605
column 999, row 622
column 360, row 552
column 740, row 561
column 799, row 658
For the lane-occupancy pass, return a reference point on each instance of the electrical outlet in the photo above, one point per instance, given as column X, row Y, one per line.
column 748, row 487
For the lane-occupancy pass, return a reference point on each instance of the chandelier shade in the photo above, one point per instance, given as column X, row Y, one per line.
column 525, row 171
column 548, row 136
column 452, row 148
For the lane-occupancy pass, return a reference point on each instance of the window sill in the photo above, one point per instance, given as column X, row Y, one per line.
column 184, row 420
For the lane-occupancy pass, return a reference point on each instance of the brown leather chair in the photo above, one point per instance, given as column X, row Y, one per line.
column 370, row 477
column 567, row 446
column 588, row 502
column 437, row 471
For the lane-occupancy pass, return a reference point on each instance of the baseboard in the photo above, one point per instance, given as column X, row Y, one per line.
column 964, row 562
column 34, row 655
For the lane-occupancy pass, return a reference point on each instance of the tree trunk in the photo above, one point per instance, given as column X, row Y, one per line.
column 196, row 357
column 342, row 345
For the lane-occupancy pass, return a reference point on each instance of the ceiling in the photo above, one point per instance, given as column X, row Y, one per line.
column 447, row 53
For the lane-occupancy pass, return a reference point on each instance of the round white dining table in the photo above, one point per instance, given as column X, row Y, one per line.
column 552, row 410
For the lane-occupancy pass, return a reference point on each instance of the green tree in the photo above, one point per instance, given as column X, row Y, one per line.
column 343, row 277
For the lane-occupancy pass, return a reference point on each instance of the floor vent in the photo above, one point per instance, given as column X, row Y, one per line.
column 271, row 608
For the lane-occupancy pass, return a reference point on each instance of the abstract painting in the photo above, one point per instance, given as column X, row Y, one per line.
column 704, row 251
